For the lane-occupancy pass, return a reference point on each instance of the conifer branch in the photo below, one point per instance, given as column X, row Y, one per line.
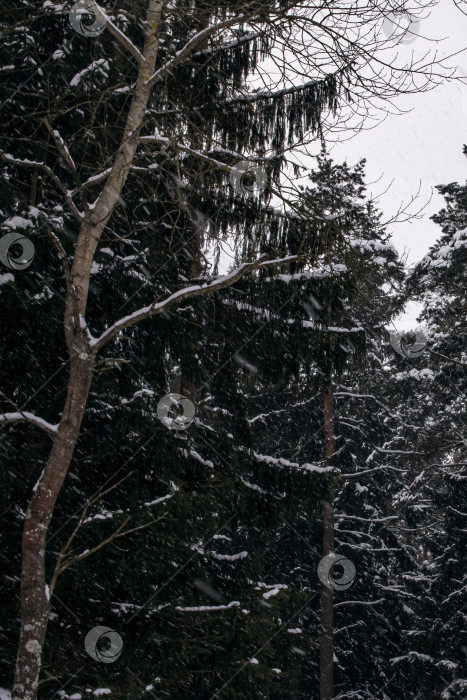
column 61, row 187
column 445, row 357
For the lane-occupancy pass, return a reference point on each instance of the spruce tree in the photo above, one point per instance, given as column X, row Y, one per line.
column 434, row 495
column 117, row 151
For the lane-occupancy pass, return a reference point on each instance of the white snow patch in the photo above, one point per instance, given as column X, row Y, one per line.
column 159, row 500
column 18, row 222
column 270, row 593
column 99, row 65
column 208, row 608
column 229, row 557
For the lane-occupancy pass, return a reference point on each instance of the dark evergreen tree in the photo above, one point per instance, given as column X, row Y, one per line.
column 141, row 194
column 434, row 495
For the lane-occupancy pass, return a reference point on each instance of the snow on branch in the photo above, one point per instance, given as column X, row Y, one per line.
column 360, row 602
column 94, row 179
column 445, row 357
column 36, row 164
column 157, row 138
column 62, row 148
column 280, row 462
column 367, row 520
column 209, row 608
column 123, row 39
column 26, row 417
column 250, row 36
column 339, row 394
column 229, row 557
column 186, row 293
column 354, row 475
column 268, row 94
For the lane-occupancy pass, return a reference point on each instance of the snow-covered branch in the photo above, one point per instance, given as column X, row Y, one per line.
column 62, row 149
column 209, row 608
column 339, row 394
column 184, row 294
column 268, row 94
column 360, row 602
column 445, row 357
column 367, row 520
column 42, row 166
column 251, row 36
column 280, row 462
column 355, row 475
column 26, row 417
column 123, row 39
column 186, row 149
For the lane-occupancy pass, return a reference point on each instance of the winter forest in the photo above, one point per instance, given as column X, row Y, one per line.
column 225, row 473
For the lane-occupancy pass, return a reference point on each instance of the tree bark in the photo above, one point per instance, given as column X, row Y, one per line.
column 35, row 597
column 35, row 603
column 327, row 612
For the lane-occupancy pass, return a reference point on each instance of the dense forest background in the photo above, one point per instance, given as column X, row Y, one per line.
column 230, row 441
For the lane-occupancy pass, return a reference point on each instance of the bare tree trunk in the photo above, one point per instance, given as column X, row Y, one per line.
column 327, row 622
column 35, row 596
column 35, row 603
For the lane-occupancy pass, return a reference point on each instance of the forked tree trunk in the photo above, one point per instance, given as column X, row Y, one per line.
column 327, row 623
column 35, row 603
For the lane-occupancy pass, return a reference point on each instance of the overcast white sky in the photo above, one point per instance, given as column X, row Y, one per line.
column 413, row 152
column 424, row 145
column 422, row 148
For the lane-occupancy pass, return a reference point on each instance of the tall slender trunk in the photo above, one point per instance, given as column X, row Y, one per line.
column 35, row 596
column 35, row 603
column 188, row 379
column 327, row 623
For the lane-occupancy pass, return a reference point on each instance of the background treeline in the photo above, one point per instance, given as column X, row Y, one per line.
column 237, row 496
column 215, row 590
